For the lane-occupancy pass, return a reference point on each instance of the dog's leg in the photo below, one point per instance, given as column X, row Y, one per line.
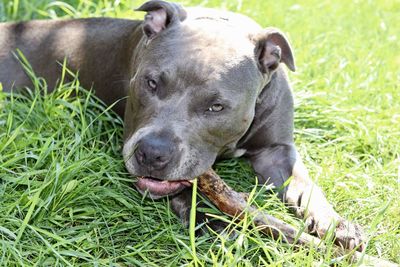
column 274, row 165
column 308, row 201
column 181, row 205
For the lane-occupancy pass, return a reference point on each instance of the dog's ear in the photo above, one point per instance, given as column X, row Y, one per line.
column 160, row 15
column 273, row 48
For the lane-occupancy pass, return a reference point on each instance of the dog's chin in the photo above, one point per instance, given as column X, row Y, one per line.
column 155, row 188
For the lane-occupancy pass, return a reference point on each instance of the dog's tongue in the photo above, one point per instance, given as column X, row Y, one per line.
column 160, row 188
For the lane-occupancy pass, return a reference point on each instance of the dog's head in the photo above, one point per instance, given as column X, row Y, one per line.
column 195, row 82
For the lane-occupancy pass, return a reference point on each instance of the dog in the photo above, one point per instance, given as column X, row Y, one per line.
column 194, row 85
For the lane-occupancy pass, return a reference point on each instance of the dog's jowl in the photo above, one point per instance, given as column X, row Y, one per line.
column 199, row 84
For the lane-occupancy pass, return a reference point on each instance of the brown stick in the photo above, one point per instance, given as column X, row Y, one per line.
column 234, row 204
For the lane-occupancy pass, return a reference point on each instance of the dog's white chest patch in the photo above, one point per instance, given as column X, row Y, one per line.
column 239, row 152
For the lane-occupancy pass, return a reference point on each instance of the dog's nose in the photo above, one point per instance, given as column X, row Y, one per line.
column 154, row 152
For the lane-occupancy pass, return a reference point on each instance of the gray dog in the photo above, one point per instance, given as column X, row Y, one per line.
column 199, row 84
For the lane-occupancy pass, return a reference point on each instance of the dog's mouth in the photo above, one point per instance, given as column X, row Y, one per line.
column 157, row 188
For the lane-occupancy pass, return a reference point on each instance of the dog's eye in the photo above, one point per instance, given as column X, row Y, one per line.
column 215, row 108
column 152, row 84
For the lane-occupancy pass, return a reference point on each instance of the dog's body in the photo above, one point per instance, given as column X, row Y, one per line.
column 200, row 85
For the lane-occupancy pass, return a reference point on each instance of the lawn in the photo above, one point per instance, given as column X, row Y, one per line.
column 67, row 200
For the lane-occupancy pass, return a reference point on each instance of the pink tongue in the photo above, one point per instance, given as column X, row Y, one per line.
column 160, row 188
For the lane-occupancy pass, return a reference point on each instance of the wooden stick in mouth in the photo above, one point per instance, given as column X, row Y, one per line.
column 235, row 205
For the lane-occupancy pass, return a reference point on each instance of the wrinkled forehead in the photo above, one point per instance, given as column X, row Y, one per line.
column 205, row 52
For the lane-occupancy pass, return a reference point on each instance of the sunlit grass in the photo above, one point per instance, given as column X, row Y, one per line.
column 66, row 199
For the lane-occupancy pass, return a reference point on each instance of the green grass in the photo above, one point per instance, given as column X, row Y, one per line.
column 66, row 199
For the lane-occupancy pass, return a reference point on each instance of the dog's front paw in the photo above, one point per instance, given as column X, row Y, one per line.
column 205, row 223
column 346, row 234
column 349, row 235
column 181, row 205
